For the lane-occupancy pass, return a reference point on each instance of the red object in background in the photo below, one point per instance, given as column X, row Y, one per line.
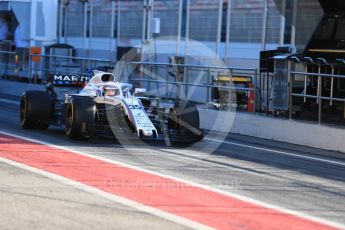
column 251, row 100
column 36, row 51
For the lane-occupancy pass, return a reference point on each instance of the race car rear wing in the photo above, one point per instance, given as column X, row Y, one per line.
column 62, row 80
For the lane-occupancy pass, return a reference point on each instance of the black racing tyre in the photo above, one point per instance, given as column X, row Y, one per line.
column 184, row 116
column 80, row 118
column 35, row 110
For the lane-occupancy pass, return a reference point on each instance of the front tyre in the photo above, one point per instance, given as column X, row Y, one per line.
column 184, row 119
column 80, row 118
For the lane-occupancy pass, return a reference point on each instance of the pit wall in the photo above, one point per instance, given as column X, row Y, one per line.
column 278, row 129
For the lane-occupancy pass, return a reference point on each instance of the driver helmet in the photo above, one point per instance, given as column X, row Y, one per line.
column 110, row 91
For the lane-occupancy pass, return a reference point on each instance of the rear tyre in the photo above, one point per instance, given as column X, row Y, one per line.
column 35, row 110
column 80, row 118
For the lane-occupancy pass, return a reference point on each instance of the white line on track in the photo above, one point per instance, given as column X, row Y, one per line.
column 13, row 102
column 129, row 203
column 233, row 195
column 280, row 152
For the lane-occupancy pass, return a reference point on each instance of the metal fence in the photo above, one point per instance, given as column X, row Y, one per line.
column 165, row 80
column 192, row 82
column 325, row 104
column 14, row 63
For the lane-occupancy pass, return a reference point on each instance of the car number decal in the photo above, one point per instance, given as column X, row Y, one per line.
column 134, row 107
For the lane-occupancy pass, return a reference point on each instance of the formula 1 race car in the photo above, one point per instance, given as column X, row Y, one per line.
column 105, row 107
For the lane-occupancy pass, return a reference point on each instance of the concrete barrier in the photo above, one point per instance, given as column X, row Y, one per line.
column 296, row 132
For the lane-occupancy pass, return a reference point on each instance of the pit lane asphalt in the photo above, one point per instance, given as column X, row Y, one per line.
column 302, row 184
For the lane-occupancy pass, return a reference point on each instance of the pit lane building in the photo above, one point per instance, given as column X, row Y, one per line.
column 236, row 30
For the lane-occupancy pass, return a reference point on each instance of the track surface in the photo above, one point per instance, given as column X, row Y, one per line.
column 302, row 179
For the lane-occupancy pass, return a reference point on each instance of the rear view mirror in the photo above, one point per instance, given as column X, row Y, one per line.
column 139, row 90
